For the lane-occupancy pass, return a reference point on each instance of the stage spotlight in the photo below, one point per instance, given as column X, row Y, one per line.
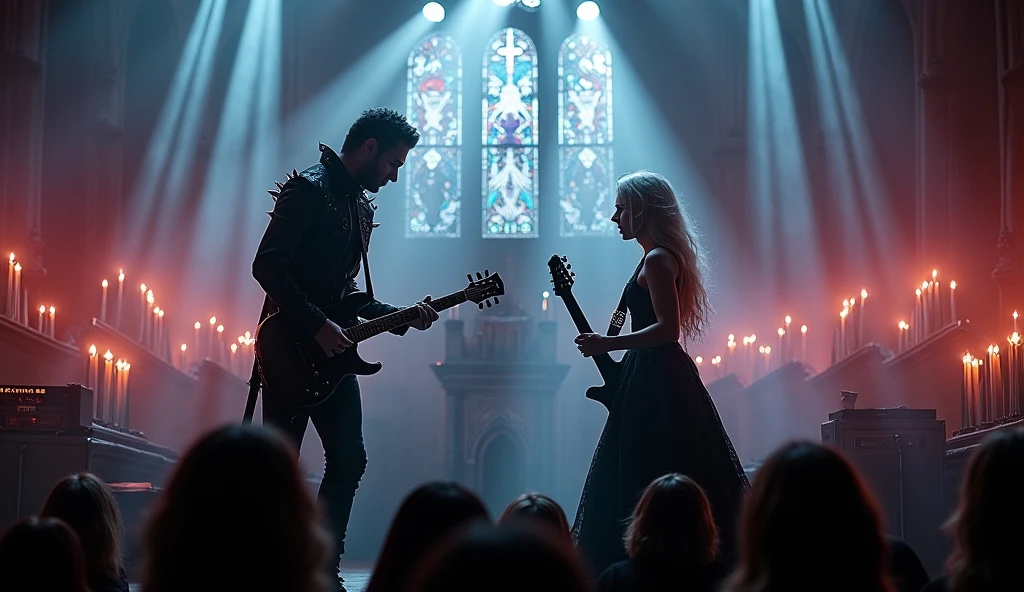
column 530, row 4
column 504, row 2
column 433, row 12
column 588, row 11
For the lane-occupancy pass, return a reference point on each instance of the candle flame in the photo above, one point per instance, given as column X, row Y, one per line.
column 241, row 339
column 952, row 285
column 788, row 319
column 108, row 356
column 234, row 348
column 120, row 275
column 104, row 283
column 761, row 349
column 1015, row 338
column 119, row 365
column 781, row 331
column 918, row 292
column 184, row 347
column 220, row 328
column 924, row 285
column 197, row 325
column 698, row 359
column 863, row 294
column 846, row 303
column 974, row 362
column 42, row 309
column 127, row 366
column 767, row 349
column 803, row 328
column 753, row 338
column 92, row 351
column 52, row 310
column 1015, row 315
column 17, row 267
column 545, row 294
column 935, row 273
column 161, row 313
column 143, row 288
column 967, row 358
column 993, row 349
column 11, row 258
column 732, row 337
column 213, row 320
column 248, row 335
column 149, row 297
column 842, row 314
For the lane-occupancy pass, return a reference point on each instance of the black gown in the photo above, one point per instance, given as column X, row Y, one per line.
column 661, row 421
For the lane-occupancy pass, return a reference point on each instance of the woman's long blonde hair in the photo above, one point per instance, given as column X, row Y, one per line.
column 656, row 210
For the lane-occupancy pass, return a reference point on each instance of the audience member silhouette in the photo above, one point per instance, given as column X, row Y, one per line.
column 671, row 541
column 803, row 494
column 424, row 518
column 512, row 558
column 236, row 515
column 87, row 505
column 538, row 509
column 41, row 555
column 986, row 526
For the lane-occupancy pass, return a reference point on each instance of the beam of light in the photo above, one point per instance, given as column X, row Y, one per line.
column 184, row 101
column 328, row 115
column 779, row 186
column 844, row 125
column 243, row 163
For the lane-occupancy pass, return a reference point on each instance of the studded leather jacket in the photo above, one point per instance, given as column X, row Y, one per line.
column 310, row 254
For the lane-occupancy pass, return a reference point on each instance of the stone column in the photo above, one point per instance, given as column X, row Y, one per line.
column 1009, row 273
column 23, row 63
column 934, row 199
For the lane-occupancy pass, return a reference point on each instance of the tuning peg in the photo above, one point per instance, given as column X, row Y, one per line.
column 564, row 258
column 496, row 300
column 488, row 303
column 569, row 266
column 487, row 272
column 572, row 274
column 469, row 277
column 480, row 306
column 478, row 276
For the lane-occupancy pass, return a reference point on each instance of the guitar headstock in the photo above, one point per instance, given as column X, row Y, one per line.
column 561, row 277
column 484, row 288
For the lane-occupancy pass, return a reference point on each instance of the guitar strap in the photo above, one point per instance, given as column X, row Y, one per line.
column 619, row 316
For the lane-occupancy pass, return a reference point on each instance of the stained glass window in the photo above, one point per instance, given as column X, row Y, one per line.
column 434, row 95
column 510, row 136
column 586, row 173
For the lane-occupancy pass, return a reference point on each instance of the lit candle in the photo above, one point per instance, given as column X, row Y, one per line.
column 918, row 321
column 142, row 312
column 160, row 338
column 103, row 302
column 842, row 332
column 108, row 368
column 234, row 350
column 181, row 357
column 118, row 391
column 803, row 343
column 120, row 296
column 787, row 353
column 220, row 343
column 127, row 394
column 900, row 346
column 782, row 333
column 53, row 322
column 42, row 311
column 767, row 357
column 544, row 305
column 1014, row 321
column 209, row 337
column 198, row 327
column 952, row 301
column 90, row 373
column 927, row 310
column 17, row 294
column 150, row 319
column 860, row 318
column 9, row 309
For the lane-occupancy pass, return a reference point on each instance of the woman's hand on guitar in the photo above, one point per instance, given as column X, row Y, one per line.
column 333, row 339
column 592, row 344
column 427, row 315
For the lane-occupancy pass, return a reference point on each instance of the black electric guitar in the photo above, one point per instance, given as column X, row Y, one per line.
column 295, row 367
column 610, row 370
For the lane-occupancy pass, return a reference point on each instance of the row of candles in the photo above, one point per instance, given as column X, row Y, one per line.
column 16, row 307
column 238, row 359
column 849, row 336
column 933, row 311
column 993, row 386
column 753, row 365
column 110, row 389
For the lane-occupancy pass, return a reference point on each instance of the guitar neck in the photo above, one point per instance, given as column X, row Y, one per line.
column 400, row 318
column 605, row 363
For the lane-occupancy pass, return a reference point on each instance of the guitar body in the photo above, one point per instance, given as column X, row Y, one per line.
column 294, row 366
column 605, row 394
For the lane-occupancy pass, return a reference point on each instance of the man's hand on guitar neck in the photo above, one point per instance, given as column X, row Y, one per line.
column 332, row 339
column 427, row 315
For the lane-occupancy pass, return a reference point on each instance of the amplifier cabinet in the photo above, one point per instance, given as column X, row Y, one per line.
column 901, row 461
column 31, row 463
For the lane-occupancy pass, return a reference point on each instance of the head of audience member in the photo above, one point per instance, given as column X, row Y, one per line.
column 986, row 552
column 42, row 555
column 512, row 558
column 87, row 505
column 236, row 514
column 801, row 489
column 537, row 509
column 673, row 522
column 426, row 516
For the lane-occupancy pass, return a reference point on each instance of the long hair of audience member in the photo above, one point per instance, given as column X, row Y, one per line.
column 88, row 506
column 41, row 555
column 986, row 527
column 537, row 509
column 810, row 523
column 428, row 514
column 673, row 522
column 236, row 515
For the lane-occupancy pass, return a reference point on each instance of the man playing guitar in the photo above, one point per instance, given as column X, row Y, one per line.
column 308, row 259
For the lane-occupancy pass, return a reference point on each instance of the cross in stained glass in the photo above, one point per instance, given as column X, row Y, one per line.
column 510, row 52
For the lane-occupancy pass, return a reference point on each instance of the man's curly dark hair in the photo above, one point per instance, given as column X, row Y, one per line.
column 389, row 127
